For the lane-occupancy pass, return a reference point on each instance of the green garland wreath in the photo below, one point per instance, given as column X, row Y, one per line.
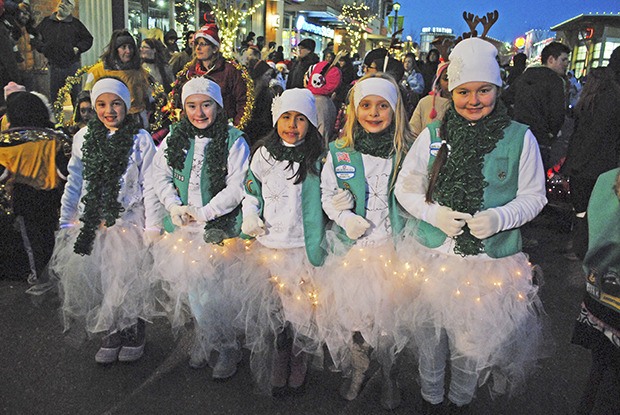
column 216, row 163
column 105, row 159
column 460, row 184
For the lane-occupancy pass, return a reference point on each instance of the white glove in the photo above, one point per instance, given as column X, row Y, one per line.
column 450, row 221
column 151, row 235
column 343, row 200
column 178, row 215
column 252, row 225
column 484, row 224
column 355, row 226
column 195, row 213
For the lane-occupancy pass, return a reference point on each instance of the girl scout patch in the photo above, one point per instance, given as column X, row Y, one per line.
column 434, row 148
column 345, row 172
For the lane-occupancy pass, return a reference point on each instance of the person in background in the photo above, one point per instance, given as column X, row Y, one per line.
column 153, row 57
column 64, row 39
column 229, row 75
column 519, row 62
column 179, row 59
column 413, row 79
column 9, row 71
column 433, row 106
column 540, row 98
column 594, row 146
column 306, row 58
column 170, row 41
column 598, row 325
column 82, row 113
column 429, row 69
column 122, row 60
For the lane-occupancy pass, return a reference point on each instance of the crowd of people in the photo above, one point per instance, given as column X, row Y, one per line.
column 312, row 208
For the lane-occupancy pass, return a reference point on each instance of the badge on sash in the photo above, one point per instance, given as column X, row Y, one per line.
column 343, row 156
column 434, row 148
column 345, row 171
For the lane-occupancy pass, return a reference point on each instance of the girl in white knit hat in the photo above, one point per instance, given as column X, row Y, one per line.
column 360, row 288
column 471, row 180
column 99, row 253
column 198, row 174
column 282, row 209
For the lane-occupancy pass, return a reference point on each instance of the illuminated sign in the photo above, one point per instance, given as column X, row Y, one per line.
column 446, row 30
column 520, row 42
column 302, row 24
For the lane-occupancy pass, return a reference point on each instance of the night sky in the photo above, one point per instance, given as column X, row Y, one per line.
column 515, row 16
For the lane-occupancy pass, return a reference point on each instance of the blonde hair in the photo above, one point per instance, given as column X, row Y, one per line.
column 403, row 136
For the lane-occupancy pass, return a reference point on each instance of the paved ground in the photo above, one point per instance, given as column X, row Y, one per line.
column 43, row 371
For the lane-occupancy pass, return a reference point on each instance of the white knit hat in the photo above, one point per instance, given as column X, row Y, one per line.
column 200, row 85
column 375, row 86
column 296, row 99
column 473, row 60
column 112, row 86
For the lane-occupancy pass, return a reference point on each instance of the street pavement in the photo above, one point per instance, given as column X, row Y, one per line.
column 43, row 371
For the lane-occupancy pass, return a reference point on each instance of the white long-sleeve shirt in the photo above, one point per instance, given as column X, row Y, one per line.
column 377, row 174
column 133, row 195
column 282, row 211
column 529, row 201
column 220, row 204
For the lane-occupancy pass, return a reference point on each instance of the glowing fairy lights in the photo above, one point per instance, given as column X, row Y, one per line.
column 356, row 18
column 230, row 15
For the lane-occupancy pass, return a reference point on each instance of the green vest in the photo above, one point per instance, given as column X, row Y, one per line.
column 501, row 172
column 602, row 262
column 349, row 171
column 312, row 214
column 180, row 178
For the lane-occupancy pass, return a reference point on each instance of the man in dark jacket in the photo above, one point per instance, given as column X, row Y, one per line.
column 540, row 99
column 64, row 39
column 306, row 58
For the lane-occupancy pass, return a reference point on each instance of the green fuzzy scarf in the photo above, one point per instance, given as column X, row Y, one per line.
column 105, row 159
column 379, row 144
column 460, row 184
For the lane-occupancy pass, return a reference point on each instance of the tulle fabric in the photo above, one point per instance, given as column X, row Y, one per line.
column 108, row 289
column 279, row 294
column 489, row 308
column 361, row 289
column 197, row 282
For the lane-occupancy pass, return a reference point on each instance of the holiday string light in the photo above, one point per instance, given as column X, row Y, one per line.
column 229, row 16
column 356, row 18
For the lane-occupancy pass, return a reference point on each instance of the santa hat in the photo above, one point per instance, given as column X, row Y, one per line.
column 209, row 32
column 111, row 86
column 205, row 86
column 376, row 86
column 297, row 99
column 473, row 60
column 436, row 90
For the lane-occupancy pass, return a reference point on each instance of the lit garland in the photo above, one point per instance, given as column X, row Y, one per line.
column 249, row 95
column 158, row 94
column 229, row 17
column 356, row 18
column 66, row 89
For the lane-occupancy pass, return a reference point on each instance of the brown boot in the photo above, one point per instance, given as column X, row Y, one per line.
column 360, row 361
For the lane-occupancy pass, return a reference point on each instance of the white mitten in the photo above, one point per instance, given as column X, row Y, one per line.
column 343, row 200
column 484, row 224
column 450, row 221
column 178, row 215
column 196, row 213
column 151, row 235
column 252, row 225
column 355, row 226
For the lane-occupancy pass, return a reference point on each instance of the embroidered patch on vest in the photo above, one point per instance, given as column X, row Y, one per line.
column 345, row 171
column 342, row 156
column 248, row 186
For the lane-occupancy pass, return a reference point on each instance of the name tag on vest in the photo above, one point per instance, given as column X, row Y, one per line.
column 345, row 172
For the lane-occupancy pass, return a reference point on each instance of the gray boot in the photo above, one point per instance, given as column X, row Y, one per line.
column 390, row 392
column 360, row 361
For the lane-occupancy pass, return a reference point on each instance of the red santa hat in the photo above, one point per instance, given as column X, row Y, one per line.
column 210, row 32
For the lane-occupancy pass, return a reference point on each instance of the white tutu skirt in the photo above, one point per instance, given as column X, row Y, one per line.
column 489, row 309
column 279, row 299
column 362, row 291
column 108, row 289
column 197, row 282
